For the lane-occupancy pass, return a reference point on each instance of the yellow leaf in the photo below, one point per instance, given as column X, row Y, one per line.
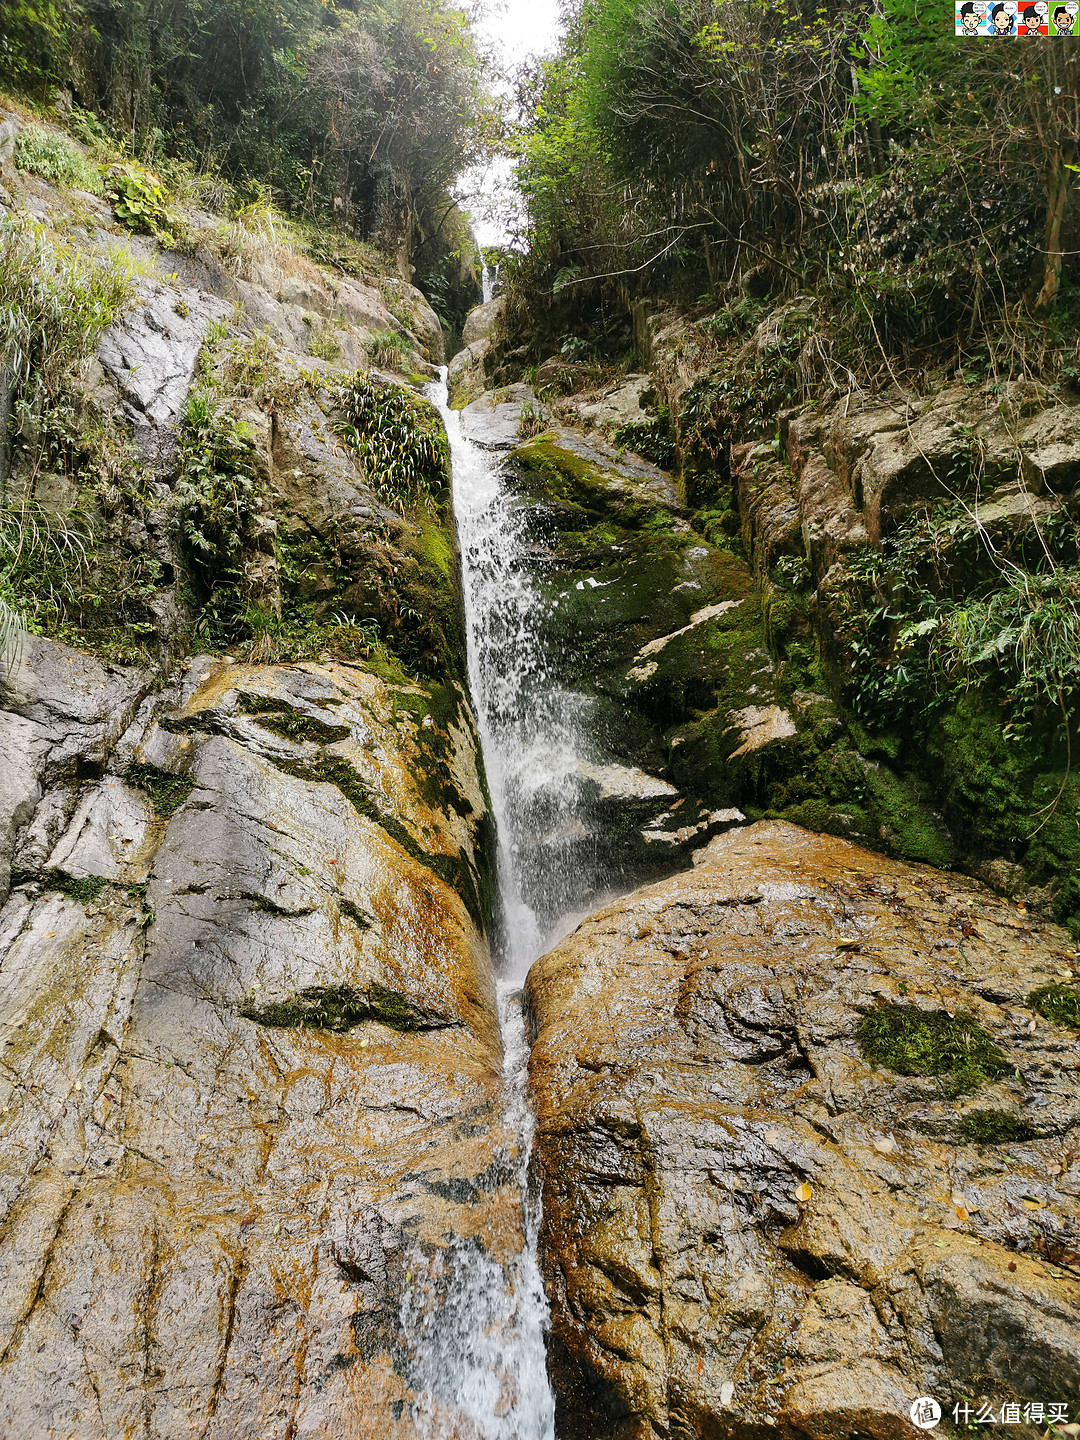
column 803, row 1192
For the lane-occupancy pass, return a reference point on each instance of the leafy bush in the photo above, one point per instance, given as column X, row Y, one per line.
column 397, row 437
column 55, row 158
column 140, row 202
column 43, row 557
column 941, row 611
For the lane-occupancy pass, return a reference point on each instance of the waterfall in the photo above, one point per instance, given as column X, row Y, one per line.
column 476, row 1329
column 486, row 284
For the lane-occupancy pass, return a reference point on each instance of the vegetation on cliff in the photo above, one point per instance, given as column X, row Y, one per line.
column 845, row 215
column 358, row 115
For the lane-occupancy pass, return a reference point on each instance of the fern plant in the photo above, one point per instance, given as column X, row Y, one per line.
column 397, row 438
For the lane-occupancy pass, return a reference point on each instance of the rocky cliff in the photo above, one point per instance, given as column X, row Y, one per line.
column 249, row 1066
column 808, row 1147
column 808, row 1116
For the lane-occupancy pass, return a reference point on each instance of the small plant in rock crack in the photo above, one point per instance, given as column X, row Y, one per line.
column 215, row 499
column 397, row 437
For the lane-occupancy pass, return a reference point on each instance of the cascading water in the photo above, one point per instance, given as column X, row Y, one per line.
column 478, row 1353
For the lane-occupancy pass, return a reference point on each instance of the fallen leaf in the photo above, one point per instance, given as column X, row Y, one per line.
column 885, row 1144
column 958, row 1198
column 1012, row 1264
column 962, row 1214
column 803, row 1192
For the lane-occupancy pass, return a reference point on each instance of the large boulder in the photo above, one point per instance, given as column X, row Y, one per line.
column 250, row 1092
column 808, row 1146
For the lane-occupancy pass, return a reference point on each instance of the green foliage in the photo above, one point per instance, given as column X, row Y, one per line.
column 952, row 1048
column 939, row 609
column 348, row 109
column 746, row 149
column 1059, row 1004
column 389, row 348
column 215, row 500
column 652, row 439
column 43, row 557
column 140, row 202
column 55, row 303
column 40, row 41
column 167, row 791
column 398, row 438
column 56, row 158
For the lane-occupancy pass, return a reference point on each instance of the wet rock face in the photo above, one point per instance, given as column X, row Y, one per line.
column 809, row 1148
column 659, row 629
column 249, row 1064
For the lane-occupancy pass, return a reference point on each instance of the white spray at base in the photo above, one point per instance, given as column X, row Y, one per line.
column 475, row 1328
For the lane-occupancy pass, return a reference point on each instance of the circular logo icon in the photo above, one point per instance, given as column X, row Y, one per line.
column 925, row 1412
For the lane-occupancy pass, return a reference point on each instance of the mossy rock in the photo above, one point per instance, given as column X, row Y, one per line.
column 275, row 715
column 339, row 1008
column 993, row 1127
column 1060, row 1004
column 953, row 1049
column 473, row 883
column 86, row 889
column 167, row 791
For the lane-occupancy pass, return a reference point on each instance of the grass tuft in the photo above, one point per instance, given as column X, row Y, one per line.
column 1060, row 1004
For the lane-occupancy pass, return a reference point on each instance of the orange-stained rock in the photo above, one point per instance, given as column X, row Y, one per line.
column 749, row 1229
column 212, row 1214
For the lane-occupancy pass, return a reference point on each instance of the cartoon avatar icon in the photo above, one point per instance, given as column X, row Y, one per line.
column 968, row 18
column 1000, row 20
column 1031, row 20
column 1062, row 20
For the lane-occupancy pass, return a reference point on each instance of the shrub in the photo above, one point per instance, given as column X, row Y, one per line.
column 55, row 303
column 215, row 499
column 55, row 158
column 391, row 349
column 140, row 202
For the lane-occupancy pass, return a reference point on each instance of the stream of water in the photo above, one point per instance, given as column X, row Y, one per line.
column 480, row 1355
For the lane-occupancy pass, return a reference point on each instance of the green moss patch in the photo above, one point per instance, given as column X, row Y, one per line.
column 282, row 720
column 952, row 1048
column 167, row 792
column 83, row 888
column 339, row 1008
column 1060, row 1004
column 993, row 1127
